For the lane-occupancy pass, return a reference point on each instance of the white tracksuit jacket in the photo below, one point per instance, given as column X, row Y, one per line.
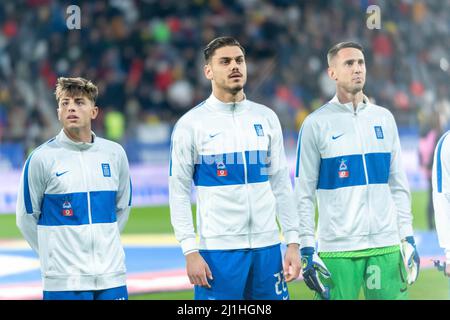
column 234, row 154
column 441, row 192
column 352, row 162
column 73, row 201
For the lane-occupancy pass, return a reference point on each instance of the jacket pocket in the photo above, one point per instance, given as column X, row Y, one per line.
column 227, row 212
column 346, row 208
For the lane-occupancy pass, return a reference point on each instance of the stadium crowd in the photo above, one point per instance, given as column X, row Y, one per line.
column 146, row 57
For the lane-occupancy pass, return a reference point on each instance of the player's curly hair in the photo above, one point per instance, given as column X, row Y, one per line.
column 75, row 87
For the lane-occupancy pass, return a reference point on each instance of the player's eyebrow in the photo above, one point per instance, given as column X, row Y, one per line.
column 230, row 58
column 360, row 60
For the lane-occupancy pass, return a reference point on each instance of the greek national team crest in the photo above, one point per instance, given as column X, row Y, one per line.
column 343, row 170
column 106, row 170
column 259, row 130
column 379, row 132
column 67, row 210
column 221, row 170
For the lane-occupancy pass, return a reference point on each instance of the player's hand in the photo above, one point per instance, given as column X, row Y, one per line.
column 198, row 270
column 312, row 266
column 411, row 258
column 443, row 267
column 291, row 265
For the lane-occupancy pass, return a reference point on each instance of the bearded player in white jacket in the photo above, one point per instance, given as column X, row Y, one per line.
column 232, row 149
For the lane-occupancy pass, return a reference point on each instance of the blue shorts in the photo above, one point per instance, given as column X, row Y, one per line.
column 119, row 293
column 250, row 274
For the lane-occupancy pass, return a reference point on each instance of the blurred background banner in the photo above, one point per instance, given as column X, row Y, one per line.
column 146, row 58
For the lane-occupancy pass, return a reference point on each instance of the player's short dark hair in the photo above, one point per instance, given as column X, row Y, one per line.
column 219, row 43
column 75, row 87
column 341, row 45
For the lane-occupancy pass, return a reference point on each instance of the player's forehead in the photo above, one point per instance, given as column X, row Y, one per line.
column 67, row 96
column 349, row 54
column 228, row 52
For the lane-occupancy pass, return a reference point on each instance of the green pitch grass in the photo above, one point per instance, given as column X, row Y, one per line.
column 431, row 285
column 156, row 220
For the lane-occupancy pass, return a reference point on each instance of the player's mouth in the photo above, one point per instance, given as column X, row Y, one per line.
column 72, row 117
column 235, row 75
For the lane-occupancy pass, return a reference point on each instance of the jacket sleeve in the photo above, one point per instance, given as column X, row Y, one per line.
column 441, row 193
column 29, row 198
column 306, row 177
column 398, row 184
column 281, row 185
column 123, row 197
column 181, row 170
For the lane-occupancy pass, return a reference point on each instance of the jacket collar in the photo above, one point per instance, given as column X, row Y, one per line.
column 77, row 146
column 226, row 107
column 349, row 106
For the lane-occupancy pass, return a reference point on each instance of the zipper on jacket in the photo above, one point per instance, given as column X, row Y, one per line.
column 89, row 211
column 361, row 142
column 244, row 158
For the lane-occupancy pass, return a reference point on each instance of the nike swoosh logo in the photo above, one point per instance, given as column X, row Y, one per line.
column 213, row 135
column 58, row 174
column 335, row 137
column 286, row 298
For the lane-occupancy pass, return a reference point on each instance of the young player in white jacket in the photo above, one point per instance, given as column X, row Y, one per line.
column 232, row 149
column 441, row 195
column 349, row 157
column 74, row 199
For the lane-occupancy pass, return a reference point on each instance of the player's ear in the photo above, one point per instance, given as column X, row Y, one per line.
column 94, row 113
column 58, row 112
column 208, row 71
column 332, row 73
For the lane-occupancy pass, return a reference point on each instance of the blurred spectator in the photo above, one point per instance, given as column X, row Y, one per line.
column 429, row 134
column 144, row 55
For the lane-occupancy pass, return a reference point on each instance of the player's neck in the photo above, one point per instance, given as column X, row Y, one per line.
column 79, row 135
column 346, row 97
column 228, row 97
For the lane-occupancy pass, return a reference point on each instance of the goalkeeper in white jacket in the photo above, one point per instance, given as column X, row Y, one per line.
column 349, row 157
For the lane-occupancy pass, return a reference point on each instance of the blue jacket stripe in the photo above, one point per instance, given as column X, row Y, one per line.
column 228, row 169
column 103, row 206
column 26, row 185
column 72, row 208
column 131, row 193
column 340, row 172
column 297, row 166
column 348, row 170
column 26, row 188
column 439, row 163
column 378, row 167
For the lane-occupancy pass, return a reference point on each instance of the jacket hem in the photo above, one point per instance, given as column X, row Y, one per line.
column 353, row 243
column 84, row 282
column 241, row 241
